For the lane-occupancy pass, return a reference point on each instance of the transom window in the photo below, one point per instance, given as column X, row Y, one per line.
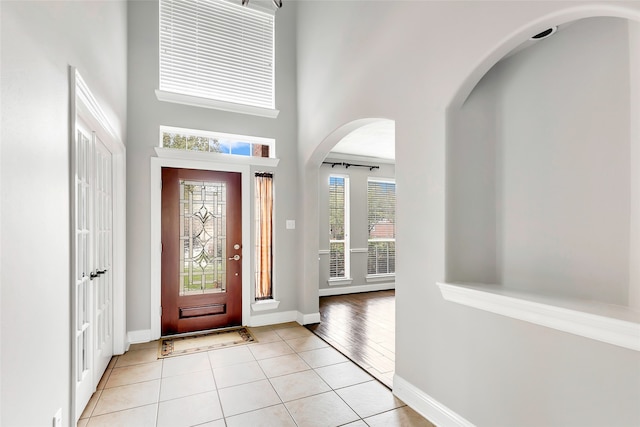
column 381, row 208
column 213, row 142
column 218, row 50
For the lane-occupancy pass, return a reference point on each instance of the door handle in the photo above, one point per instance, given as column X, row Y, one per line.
column 236, row 257
column 97, row 274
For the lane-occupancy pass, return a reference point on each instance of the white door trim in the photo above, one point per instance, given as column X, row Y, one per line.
column 157, row 163
column 84, row 105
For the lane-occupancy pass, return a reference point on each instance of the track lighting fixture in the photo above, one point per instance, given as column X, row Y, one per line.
column 276, row 3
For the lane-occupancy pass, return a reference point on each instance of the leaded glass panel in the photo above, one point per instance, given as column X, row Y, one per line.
column 203, row 245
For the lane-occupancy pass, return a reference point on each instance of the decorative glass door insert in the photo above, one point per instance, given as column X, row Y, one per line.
column 203, row 248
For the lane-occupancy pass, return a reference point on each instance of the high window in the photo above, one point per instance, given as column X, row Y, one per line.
column 339, row 261
column 213, row 142
column 381, row 208
column 217, row 50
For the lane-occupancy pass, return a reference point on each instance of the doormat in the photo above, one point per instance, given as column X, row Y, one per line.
column 178, row 346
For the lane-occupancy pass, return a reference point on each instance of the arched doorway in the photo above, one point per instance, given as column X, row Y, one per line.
column 356, row 256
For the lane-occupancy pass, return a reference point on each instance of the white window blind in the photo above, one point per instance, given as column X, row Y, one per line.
column 381, row 207
column 218, row 50
column 339, row 261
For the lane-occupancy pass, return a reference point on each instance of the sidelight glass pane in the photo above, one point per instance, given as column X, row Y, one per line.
column 203, row 255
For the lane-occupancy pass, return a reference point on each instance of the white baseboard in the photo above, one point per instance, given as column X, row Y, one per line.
column 426, row 405
column 283, row 317
column 356, row 289
column 273, row 318
column 135, row 337
column 307, row 319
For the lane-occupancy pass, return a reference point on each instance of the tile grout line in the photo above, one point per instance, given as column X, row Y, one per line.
column 215, row 383
column 159, row 391
column 281, row 339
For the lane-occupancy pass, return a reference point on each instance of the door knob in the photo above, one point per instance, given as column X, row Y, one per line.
column 236, row 257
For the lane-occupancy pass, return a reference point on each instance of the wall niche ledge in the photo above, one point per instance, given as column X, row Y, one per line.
column 609, row 323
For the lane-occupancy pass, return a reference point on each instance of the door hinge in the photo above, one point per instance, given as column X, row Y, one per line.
column 161, row 248
column 160, row 311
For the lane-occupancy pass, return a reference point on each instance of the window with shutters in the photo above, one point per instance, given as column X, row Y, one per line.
column 217, row 50
column 381, row 207
column 339, row 261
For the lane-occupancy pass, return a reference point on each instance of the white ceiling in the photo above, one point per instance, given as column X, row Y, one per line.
column 372, row 140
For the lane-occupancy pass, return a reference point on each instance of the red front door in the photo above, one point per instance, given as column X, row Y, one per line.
column 201, row 250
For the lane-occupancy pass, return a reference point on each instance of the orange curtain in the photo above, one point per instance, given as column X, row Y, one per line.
column 264, row 222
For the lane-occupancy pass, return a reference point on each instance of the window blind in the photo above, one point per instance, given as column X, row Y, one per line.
column 218, row 50
column 338, row 227
column 381, row 208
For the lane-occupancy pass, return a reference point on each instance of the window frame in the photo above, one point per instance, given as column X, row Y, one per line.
column 232, row 96
column 270, row 142
column 346, row 241
column 256, row 242
column 381, row 240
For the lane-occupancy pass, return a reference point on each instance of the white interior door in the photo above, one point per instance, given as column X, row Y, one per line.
column 84, row 377
column 98, row 243
column 93, row 259
column 102, row 259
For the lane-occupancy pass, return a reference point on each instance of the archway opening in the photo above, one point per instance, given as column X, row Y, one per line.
column 356, row 253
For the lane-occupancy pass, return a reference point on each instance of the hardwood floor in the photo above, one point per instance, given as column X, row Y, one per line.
column 362, row 327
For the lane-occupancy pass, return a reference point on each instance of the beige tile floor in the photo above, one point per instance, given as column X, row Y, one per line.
column 288, row 378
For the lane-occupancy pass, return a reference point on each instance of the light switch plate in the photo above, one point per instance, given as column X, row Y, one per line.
column 291, row 224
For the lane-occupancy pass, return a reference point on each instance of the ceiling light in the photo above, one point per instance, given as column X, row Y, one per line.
column 546, row 33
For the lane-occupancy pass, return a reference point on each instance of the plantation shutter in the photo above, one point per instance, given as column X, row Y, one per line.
column 218, row 50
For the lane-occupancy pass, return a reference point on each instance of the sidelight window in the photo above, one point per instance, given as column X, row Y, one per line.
column 264, row 235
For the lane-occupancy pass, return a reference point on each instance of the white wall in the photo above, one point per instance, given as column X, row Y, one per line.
column 39, row 41
column 408, row 61
column 146, row 114
column 546, row 194
column 471, row 186
column 358, row 178
column 634, row 165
